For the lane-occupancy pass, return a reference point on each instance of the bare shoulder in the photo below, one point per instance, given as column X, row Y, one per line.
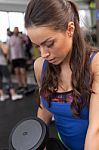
column 95, row 63
column 94, row 100
column 38, row 64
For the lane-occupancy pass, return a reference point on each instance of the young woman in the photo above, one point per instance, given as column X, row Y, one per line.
column 67, row 72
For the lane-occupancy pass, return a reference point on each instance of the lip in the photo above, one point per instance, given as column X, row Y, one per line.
column 51, row 60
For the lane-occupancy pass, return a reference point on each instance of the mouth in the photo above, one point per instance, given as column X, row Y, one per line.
column 51, row 60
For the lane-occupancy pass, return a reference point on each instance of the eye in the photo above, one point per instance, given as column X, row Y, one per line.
column 49, row 44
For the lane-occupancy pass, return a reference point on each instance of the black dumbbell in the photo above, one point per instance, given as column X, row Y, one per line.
column 33, row 134
column 29, row 134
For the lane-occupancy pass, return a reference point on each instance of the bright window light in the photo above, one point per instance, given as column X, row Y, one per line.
column 4, row 24
column 16, row 19
column 85, row 18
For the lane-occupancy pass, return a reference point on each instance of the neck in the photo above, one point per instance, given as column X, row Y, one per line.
column 66, row 60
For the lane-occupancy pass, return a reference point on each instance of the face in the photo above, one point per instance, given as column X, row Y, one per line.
column 16, row 30
column 54, row 46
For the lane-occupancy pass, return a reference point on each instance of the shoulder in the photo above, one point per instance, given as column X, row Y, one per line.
column 94, row 101
column 38, row 64
column 95, row 63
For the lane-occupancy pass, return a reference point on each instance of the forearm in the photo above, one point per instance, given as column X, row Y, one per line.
column 4, row 48
column 92, row 141
column 44, row 115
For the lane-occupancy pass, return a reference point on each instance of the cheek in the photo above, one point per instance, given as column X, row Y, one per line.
column 62, row 47
column 68, row 45
column 59, row 51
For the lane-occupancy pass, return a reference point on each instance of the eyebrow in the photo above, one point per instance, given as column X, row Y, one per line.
column 42, row 43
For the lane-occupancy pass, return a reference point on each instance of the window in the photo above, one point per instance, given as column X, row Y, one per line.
column 85, row 18
column 10, row 20
column 16, row 19
column 4, row 24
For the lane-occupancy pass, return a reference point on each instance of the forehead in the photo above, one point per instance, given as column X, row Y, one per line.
column 39, row 34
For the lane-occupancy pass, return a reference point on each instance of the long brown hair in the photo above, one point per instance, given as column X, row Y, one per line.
column 57, row 14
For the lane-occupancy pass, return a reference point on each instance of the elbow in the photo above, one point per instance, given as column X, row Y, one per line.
column 93, row 131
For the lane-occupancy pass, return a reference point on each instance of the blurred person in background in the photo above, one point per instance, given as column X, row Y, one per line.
column 4, row 72
column 17, row 57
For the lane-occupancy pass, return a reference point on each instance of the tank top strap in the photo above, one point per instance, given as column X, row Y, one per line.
column 92, row 56
column 43, row 69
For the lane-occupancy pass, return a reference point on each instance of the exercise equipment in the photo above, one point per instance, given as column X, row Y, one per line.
column 29, row 134
column 33, row 134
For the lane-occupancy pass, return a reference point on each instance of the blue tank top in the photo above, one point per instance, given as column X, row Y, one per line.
column 72, row 130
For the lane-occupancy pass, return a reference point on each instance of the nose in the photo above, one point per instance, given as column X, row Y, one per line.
column 44, row 52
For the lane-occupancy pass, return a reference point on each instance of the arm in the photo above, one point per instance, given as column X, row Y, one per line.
column 4, row 48
column 42, row 112
column 92, row 137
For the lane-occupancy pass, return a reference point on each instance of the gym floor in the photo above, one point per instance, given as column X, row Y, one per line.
column 11, row 112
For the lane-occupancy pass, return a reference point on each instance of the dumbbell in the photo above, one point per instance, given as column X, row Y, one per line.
column 29, row 134
column 33, row 134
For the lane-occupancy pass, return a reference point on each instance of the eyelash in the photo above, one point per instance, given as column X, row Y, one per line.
column 50, row 45
column 47, row 45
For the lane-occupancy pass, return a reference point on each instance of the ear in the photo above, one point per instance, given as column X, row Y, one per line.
column 70, row 28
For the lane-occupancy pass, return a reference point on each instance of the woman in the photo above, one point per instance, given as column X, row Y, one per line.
column 67, row 72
